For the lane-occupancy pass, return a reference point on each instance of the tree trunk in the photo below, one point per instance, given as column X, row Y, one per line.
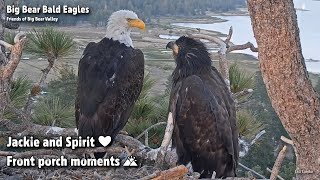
column 284, row 73
column 7, row 70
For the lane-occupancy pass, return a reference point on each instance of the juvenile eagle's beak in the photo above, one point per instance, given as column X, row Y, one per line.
column 172, row 45
column 138, row 23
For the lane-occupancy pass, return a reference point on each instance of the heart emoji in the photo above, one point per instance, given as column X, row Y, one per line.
column 105, row 141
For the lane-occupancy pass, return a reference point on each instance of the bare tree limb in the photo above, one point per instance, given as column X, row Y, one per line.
column 229, row 36
column 166, row 141
column 258, row 136
column 248, row 45
column 19, row 36
column 278, row 176
column 168, row 132
column 277, row 164
column 216, row 40
column 286, row 140
column 149, row 128
column 247, row 145
column 251, row 170
column 6, row 45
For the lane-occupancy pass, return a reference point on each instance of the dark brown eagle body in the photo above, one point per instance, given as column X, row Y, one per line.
column 110, row 79
column 205, row 131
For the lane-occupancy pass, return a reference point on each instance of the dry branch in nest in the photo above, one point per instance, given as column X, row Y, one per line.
column 165, row 142
column 173, row 173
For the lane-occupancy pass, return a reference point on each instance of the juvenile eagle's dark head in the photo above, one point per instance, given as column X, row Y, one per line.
column 191, row 56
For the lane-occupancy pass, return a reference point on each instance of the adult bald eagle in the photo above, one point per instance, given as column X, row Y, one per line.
column 110, row 79
column 205, row 132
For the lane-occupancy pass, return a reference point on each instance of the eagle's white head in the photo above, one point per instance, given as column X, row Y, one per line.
column 120, row 25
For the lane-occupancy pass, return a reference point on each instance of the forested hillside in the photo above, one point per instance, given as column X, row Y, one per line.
column 100, row 10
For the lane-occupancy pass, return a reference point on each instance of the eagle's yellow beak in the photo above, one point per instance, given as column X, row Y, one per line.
column 138, row 23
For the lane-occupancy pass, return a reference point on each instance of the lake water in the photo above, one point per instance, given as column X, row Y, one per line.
column 308, row 24
column 164, row 36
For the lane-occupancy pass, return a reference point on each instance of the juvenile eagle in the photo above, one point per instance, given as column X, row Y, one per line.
column 110, row 78
column 205, row 132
